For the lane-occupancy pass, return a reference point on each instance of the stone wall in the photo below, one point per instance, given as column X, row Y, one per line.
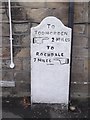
column 26, row 15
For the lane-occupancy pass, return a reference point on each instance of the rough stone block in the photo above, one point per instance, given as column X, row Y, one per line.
column 78, row 66
column 26, row 64
column 0, row 74
column 0, row 17
column 6, row 52
column 15, row 3
column 37, row 15
column 79, row 77
column 0, row 65
column 18, row 64
column 89, row 89
column 0, row 41
column 79, row 29
column 23, row 76
column 58, row 13
column 0, row 52
column 5, row 41
column 81, row 12
column 5, row 17
column 0, row 3
column 86, row 64
column 3, row 3
column 6, row 91
column 80, row 41
column 20, row 28
column 89, row 74
column 5, row 29
column 21, row 40
column 89, row 12
column 2, row 11
column 22, row 87
column 57, row 5
column 34, row 24
column 79, row 52
column 88, row 32
column 16, row 40
column 25, row 40
column 0, row 30
column 23, row 53
column 18, row 13
column 89, row 53
column 79, row 88
column 16, row 50
column 79, row 96
column 6, row 64
column 33, row 4
column 7, row 75
column 56, row 0
column 31, row 1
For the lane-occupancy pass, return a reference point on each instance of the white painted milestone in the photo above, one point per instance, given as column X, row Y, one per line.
column 50, row 62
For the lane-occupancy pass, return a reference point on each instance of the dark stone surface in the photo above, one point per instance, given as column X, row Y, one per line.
column 15, row 108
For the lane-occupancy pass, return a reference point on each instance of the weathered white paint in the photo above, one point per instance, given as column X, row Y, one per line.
column 50, row 73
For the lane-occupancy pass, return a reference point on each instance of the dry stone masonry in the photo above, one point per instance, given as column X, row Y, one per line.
column 27, row 15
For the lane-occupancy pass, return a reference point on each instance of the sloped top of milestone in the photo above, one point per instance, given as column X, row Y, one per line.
column 51, row 20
